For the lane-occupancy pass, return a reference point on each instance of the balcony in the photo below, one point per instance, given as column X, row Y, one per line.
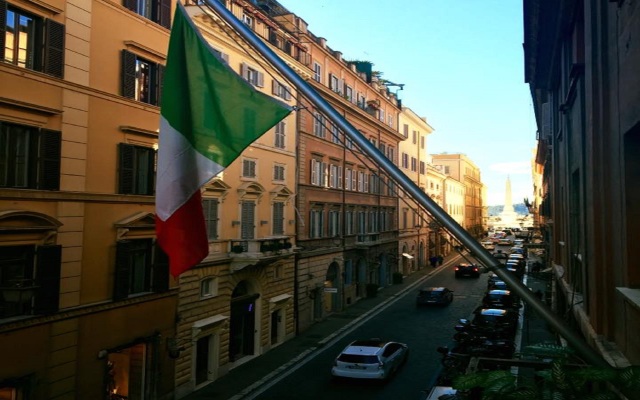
column 258, row 251
column 367, row 240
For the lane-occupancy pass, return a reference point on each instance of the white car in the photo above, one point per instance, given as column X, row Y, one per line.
column 370, row 359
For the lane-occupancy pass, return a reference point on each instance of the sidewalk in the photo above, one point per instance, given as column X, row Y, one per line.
column 246, row 378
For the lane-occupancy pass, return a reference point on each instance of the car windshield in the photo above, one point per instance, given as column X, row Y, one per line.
column 358, row 359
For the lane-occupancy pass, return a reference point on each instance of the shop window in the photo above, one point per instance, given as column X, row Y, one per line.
column 126, row 373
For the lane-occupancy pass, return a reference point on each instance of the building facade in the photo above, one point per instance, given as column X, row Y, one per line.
column 87, row 300
column 413, row 220
column 581, row 64
column 462, row 169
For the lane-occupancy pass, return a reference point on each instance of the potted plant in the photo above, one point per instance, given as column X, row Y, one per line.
column 237, row 248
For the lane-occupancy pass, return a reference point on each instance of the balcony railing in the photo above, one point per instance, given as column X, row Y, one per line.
column 252, row 251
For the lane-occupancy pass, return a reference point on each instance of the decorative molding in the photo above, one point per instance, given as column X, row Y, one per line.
column 140, row 48
column 139, row 131
column 30, row 106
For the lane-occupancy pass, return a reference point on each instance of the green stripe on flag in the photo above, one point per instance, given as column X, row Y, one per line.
column 216, row 110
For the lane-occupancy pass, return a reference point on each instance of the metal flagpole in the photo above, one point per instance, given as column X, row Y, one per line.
column 478, row 251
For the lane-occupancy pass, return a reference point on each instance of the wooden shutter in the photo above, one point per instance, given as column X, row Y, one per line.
column 164, row 13
column 122, row 270
column 131, row 5
column 128, row 74
column 3, row 27
column 248, row 218
column 278, row 218
column 48, row 262
column 151, row 173
column 160, row 270
column 125, row 173
column 156, row 88
column 54, row 48
column 49, row 160
column 260, row 81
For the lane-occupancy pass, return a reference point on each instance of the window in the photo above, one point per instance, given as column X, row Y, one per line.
column 278, row 172
column 348, row 93
column 278, row 218
column 280, row 135
column 336, row 84
column 361, row 181
column 348, row 272
column 31, row 42
column 423, row 168
column 247, row 220
column 280, row 90
column 414, row 139
column 347, row 179
column 137, row 170
column 361, row 101
column 405, row 130
column 335, row 176
column 335, row 134
column 141, row 267
column 248, row 20
column 414, row 164
column 252, row 75
column 29, row 280
column 208, row 287
column 29, row 157
column 141, row 79
column 211, row 208
column 317, row 72
column 318, row 125
column 390, row 120
column 158, row 11
column 422, row 142
column 319, row 173
column 348, row 222
column 391, row 154
column 316, row 228
column 248, row 168
column 334, row 223
column 405, row 160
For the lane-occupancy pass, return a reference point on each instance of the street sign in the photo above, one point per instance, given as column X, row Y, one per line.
column 331, row 290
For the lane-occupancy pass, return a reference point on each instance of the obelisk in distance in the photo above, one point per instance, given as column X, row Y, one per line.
column 508, row 216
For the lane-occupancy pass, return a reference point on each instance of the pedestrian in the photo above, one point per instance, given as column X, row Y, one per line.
column 440, row 259
column 433, row 261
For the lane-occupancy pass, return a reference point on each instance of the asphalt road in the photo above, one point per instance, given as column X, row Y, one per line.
column 423, row 329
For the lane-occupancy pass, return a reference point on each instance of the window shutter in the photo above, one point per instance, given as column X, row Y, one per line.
column 278, row 218
column 243, row 70
column 274, row 87
column 210, row 208
column 287, row 93
column 340, row 177
column 49, row 160
column 314, row 175
column 160, row 270
column 128, row 74
column 122, row 270
column 54, row 48
column 156, row 88
column 131, row 5
column 48, row 262
column 260, row 82
column 125, row 174
column 248, row 217
column 3, row 27
column 164, row 13
column 151, row 180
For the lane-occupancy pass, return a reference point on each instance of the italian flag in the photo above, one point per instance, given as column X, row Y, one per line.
column 208, row 116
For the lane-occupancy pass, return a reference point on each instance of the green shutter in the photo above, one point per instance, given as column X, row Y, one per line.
column 128, row 74
column 48, row 279
column 49, row 160
column 160, row 270
column 54, row 48
column 126, row 164
column 122, row 270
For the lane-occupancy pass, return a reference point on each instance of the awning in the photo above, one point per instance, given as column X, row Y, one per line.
column 407, row 255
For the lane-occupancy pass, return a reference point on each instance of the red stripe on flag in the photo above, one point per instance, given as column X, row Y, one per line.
column 184, row 236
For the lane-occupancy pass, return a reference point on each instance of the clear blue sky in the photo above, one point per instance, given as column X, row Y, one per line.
column 462, row 66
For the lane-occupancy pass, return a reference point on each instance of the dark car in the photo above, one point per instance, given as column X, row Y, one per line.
column 440, row 296
column 495, row 282
column 500, row 256
column 467, row 269
column 499, row 298
column 495, row 320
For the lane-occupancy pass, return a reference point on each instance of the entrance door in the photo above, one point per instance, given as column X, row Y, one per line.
column 242, row 323
column 202, row 359
column 276, row 317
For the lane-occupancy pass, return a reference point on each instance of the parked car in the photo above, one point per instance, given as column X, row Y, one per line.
column 495, row 319
column 370, row 359
column 505, row 242
column 495, row 282
column 467, row 269
column 500, row 298
column 488, row 244
column 500, row 256
column 440, row 296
